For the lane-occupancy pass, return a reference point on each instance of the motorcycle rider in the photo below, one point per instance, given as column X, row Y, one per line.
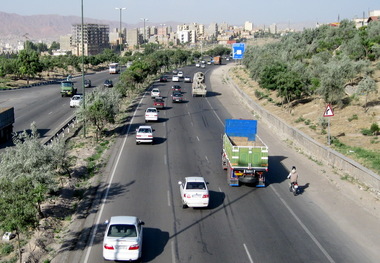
column 293, row 176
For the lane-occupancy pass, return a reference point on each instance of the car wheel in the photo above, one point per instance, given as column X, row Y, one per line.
column 184, row 206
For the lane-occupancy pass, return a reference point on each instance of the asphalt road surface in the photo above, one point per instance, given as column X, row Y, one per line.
column 242, row 224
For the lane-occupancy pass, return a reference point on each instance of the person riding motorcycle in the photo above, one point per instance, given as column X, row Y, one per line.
column 293, row 176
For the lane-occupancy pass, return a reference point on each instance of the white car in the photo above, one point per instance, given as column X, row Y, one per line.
column 144, row 134
column 197, row 65
column 155, row 93
column 123, row 238
column 175, row 78
column 194, row 192
column 187, row 79
column 76, row 100
column 180, row 74
column 203, row 65
column 151, row 114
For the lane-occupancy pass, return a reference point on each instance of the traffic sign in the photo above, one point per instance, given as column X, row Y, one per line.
column 238, row 50
column 328, row 111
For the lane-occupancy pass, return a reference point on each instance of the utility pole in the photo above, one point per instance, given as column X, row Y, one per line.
column 83, row 88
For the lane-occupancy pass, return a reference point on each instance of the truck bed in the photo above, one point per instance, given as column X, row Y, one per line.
column 243, row 141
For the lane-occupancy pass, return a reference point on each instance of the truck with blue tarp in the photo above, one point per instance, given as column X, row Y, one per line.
column 245, row 155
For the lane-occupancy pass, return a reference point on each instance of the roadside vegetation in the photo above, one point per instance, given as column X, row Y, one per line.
column 335, row 64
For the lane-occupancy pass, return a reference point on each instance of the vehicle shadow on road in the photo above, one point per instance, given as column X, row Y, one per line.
column 154, row 242
column 216, row 199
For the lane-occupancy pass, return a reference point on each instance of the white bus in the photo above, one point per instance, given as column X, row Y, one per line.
column 114, row 68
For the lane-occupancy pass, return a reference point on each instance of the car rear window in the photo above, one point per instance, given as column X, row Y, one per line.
column 122, row 231
column 195, row 185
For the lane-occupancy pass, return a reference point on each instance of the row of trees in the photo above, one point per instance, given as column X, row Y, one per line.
column 320, row 61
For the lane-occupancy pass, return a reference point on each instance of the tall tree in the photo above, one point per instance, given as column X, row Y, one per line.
column 367, row 86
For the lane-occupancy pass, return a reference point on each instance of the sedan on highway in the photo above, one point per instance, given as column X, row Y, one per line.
column 108, row 83
column 159, row 103
column 187, row 79
column 155, row 93
column 144, row 134
column 177, row 96
column 194, row 192
column 176, row 88
column 123, row 238
column 76, row 100
column 151, row 114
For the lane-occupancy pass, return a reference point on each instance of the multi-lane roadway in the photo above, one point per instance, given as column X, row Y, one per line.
column 242, row 224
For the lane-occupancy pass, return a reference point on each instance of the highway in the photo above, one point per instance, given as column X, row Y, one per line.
column 242, row 224
column 44, row 105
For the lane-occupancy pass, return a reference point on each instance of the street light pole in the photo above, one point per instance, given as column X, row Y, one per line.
column 144, row 19
column 83, row 88
column 120, row 34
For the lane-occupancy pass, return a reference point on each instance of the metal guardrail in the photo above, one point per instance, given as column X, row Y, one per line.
column 60, row 132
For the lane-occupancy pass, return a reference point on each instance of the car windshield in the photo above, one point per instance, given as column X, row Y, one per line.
column 122, row 231
column 195, row 185
column 151, row 110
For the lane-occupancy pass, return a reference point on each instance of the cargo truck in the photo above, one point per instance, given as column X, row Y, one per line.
column 245, row 155
column 218, row 60
column 68, row 88
column 199, row 86
column 7, row 118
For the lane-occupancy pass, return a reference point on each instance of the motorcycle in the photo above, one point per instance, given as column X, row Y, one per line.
column 294, row 188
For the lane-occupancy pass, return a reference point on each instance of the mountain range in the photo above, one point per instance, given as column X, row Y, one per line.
column 47, row 28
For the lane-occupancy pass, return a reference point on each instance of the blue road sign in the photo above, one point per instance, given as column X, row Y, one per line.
column 238, row 50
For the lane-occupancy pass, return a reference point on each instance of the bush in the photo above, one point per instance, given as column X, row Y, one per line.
column 375, row 129
column 6, row 249
column 300, row 119
column 366, row 132
column 353, row 117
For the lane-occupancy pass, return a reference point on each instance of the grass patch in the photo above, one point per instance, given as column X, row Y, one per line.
column 367, row 157
column 300, row 119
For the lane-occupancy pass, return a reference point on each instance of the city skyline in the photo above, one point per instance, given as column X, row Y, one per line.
column 205, row 12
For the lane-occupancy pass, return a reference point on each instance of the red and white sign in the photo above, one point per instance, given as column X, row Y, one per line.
column 328, row 112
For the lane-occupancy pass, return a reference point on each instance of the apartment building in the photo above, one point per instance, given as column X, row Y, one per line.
column 95, row 39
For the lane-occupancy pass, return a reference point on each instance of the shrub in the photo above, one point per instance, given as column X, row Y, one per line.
column 353, row 117
column 375, row 129
column 300, row 119
column 6, row 249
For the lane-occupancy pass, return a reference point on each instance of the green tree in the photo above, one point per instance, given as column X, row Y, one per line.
column 101, row 107
column 18, row 211
column 28, row 63
column 367, row 86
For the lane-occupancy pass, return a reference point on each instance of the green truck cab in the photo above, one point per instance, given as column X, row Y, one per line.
column 68, row 89
column 245, row 155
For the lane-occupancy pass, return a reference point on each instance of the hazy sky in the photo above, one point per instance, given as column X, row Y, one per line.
column 234, row 12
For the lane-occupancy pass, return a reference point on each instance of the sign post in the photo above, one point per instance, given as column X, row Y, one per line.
column 238, row 50
column 328, row 113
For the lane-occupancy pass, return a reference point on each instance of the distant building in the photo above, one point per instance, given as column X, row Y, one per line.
column 133, row 39
column 273, row 28
column 248, row 26
column 95, row 39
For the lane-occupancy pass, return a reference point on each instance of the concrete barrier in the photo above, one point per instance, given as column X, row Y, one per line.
column 309, row 146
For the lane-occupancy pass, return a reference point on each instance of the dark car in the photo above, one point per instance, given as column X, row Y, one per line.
column 108, row 83
column 87, row 83
column 163, row 79
column 159, row 102
column 177, row 96
column 176, row 88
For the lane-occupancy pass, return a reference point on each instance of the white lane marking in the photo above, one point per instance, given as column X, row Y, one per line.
column 103, row 201
column 165, row 160
column 220, row 190
column 198, row 138
column 50, row 113
column 173, row 252
column 249, row 255
column 303, row 226
column 214, row 112
column 169, row 204
column 207, row 159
